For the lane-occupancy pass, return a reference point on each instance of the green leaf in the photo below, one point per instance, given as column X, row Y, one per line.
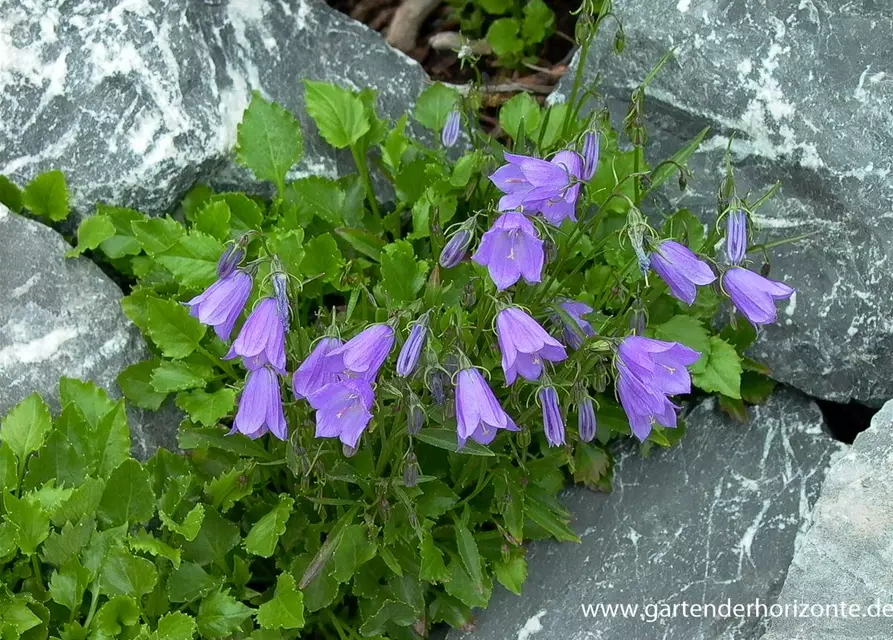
column 366, row 243
column 722, row 372
column 520, row 111
column 191, row 524
column 158, row 234
column 322, row 258
column 503, row 37
column 383, row 612
column 232, row 485
column 433, row 568
column 190, row 582
column 207, row 408
column 93, row 232
column 320, row 197
column 68, row 585
column 128, row 496
column 286, row 609
column 262, row 539
column 689, row 332
column 193, row 259
column 289, row 246
column 465, row 169
column 353, row 550
column 553, row 121
column 65, row 545
column 216, row 538
column 91, row 400
column 446, row 439
column 592, row 466
column 172, row 329
column 270, row 141
column 84, row 501
column 395, row 145
column 221, row 615
column 755, row 387
column 196, row 438
column 124, row 242
column 135, row 382
column 178, row 375
column 496, row 7
column 538, row 509
column 461, row 586
column 10, row 195
column 245, row 213
column 26, row 427
column 338, row 112
column 32, row 524
column 147, row 543
column 111, row 441
column 114, row 617
column 539, row 22
column 175, row 626
column 402, row 277
column 47, row 195
column 214, row 220
column 126, row 574
column 512, row 573
column 434, row 105
column 471, row 557
column 510, row 501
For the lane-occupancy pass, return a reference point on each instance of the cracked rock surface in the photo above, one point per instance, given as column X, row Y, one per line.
column 806, row 87
column 62, row 317
column 846, row 554
column 709, row 521
column 138, row 100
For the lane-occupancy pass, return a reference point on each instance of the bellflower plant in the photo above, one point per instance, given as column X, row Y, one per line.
column 335, row 509
column 737, row 237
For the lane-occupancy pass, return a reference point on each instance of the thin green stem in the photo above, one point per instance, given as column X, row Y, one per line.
column 223, row 364
column 35, row 565
column 337, row 624
column 94, row 601
column 366, row 177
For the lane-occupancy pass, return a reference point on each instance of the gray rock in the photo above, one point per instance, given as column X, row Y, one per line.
column 845, row 557
column 62, row 317
column 806, row 86
column 137, row 101
column 712, row 520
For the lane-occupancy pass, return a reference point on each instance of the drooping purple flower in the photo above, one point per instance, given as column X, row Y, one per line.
column 681, row 269
column 260, row 407
column 754, row 295
column 590, row 155
column 527, row 182
column 222, row 303
column 312, row 375
column 524, row 345
column 553, row 421
column 576, row 310
column 736, row 237
column 587, row 424
column 408, row 359
column 343, row 409
column 560, row 208
column 363, row 355
column 280, row 292
column 649, row 371
column 478, row 412
column 451, row 130
column 456, row 248
column 262, row 339
column 511, row 249
column 230, row 259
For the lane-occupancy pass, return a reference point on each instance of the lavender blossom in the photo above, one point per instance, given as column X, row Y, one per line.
column 260, row 407
column 587, row 424
column 754, row 295
column 222, row 303
column 280, row 292
column 527, row 182
column 524, row 345
column 681, row 269
column 478, row 412
column 649, row 371
column 553, row 421
column 408, row 359
column 343, row 410
column 736, row 237
column 363, row 355
column 576, row 310
column 312, row 375
column 451, row 130
column 560, row 208
column 230, row 259
column 590, row 155
column 262, row 339
column 456, row 248
column 511, row 249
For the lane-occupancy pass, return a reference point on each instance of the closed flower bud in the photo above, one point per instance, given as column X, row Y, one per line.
column 437, row 385
column 411, row 470
column 230, row 259
column 586, row 421
column 415, row 415
column 469, row 295
column 348, row 451
column 456, row 248
column 683, row 181
column 619, row 41
column 524, row 436
column 451, row 129
column 280, row 292
column 590, row 155
column 553, row 421
column 736, row 237
column 408, row 359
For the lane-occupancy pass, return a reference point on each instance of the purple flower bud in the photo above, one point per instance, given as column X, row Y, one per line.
column 222, row 303
column 280, row 292
column 364, row 354
column 260, row 407
column 262, row 339
column 451, row 130
column 681, row 269
column 736, row 237
column 754, row 295
column 524, row 345
column 408, row 359
column 638, row 243
column 590, row 155
column 230, row 259
column 586, row 422
column 553, row 421
column 456, row 248
column 478, row 412
column 511, row 249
